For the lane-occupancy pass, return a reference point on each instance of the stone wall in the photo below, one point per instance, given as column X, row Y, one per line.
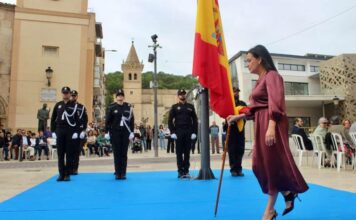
column 338, row 77
column 6, row 33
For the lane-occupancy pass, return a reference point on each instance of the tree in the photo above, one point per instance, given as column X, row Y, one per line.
column 113, row 82
column 165, row 81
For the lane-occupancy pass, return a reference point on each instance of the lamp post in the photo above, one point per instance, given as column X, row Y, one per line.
column 153, row 58
column 49, row 75
column 336, row 101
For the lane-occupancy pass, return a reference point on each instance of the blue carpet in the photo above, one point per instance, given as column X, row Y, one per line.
column 160, row 195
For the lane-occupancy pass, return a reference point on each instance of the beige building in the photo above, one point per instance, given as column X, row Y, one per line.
column 142, row 99
column 7, row 13
column 61, row 35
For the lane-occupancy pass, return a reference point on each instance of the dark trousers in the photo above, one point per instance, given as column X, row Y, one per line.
column 194, row 142
column 170, row 145
column 236, row 149
column 6, row 152
column 77, row 147
column 120, row 143
column 93, row 146
column 64, row 150
column 39, row 149
column 184, row 143
column 149, row 144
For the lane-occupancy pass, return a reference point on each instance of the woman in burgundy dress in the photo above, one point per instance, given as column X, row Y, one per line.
column 273, row 163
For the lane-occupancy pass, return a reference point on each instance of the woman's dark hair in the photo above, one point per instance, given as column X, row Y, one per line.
column 261, row 51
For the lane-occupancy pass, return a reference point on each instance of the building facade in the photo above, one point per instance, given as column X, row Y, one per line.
column 7, row 15
column 338, row 77
column 143, row 99
column 62, row 36
column 304, row 96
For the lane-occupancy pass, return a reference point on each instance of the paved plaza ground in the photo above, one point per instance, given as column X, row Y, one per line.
column 17, row 177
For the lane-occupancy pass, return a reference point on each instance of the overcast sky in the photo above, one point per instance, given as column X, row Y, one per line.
column 321, row 26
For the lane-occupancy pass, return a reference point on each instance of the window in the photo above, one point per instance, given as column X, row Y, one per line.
column 296, row 88
column 50, row 51
column 292, row 67
column 97, row 72
column 131, row 92
column 291, row 88
column 314, row 69
column 135, row 76
column 233, row 71
column 130, row 76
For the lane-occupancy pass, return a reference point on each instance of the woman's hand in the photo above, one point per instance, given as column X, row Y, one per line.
column 271, row 134
column 232, row 118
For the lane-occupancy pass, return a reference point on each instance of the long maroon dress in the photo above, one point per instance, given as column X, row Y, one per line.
column 274, row 165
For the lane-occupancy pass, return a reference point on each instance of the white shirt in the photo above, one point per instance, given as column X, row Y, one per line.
column 33, row 142
column 24, row 140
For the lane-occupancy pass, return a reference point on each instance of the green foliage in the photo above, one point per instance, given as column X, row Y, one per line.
column 165, row 81
column 169, row 81
column 113, row 82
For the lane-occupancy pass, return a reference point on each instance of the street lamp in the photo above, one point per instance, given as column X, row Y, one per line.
column 49, row 75
column 336, row 101
column 335, row 119
column 153, row 58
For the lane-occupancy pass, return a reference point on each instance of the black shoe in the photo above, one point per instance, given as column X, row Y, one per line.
column 66, row 178
column 290, row 198
column 233, row 173
column 186, row 176
column 75, row 172
column 60, row 178
column 180, row 175
column 117, row 177
column 274, row 214
column 123, row 177
column 237, row 174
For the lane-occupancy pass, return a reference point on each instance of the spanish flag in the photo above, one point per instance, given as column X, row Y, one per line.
column 211, row 64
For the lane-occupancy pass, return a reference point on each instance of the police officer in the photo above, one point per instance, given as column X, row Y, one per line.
column 183, row 124
column 236, row 144
column 120, row 124
column 63, row 125
column 80, row 129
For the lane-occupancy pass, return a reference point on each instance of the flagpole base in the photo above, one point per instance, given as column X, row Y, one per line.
column 205, row 174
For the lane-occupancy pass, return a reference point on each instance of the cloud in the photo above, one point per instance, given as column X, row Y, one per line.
column 246, row 23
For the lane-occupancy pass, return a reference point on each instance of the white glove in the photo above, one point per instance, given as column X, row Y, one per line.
column 107, row 136
column 75, row 136
column 174, row 136
column 131, row 137
column 82, row 135
column 194, row 136
column 54, row 135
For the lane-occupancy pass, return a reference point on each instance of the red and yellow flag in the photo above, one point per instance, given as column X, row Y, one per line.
column 211, row 64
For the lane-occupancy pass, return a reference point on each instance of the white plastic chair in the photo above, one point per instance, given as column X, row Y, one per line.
column 340, row 153
column 52, row 142
column 353, row 137
column 319, row 149
column 298, row 141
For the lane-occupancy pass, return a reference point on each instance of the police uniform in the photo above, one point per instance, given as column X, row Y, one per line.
column 236, row 144
column 183, row 123
column 120, row 124
column 80, row 129
column 63, row 124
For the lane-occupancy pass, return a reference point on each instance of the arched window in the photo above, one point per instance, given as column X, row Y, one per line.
column 130, row 76
column 135, row 76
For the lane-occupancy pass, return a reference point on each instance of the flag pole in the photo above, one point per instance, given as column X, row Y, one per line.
column 205, row 172
column 222, row 170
